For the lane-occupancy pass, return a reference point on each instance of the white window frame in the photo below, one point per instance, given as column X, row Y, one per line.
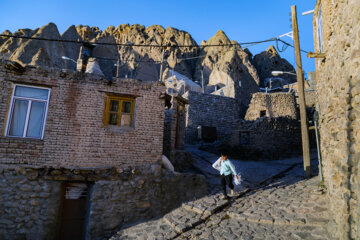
column 10, row 113
column 319, row 30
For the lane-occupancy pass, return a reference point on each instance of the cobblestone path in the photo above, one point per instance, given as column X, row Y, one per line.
column 285, row 207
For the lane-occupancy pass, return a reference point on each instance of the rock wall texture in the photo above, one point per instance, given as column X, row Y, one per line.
column 209, row 110
column 149, row 193
column 28, row 206
column 224, row 63
column 268, row 138
column 31, row 198
column 273, row 105
column 270, row 60
column 75, row 134
column 338, row 90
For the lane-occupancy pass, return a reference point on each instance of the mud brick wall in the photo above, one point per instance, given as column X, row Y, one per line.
column 274, row 104
column 338, row 90
column 75, row 134
column 212, row 111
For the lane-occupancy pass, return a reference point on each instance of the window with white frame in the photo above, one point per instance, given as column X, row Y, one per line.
column 27, row 113
column 319, row 29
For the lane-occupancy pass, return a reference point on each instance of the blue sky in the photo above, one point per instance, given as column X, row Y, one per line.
column 241, row 20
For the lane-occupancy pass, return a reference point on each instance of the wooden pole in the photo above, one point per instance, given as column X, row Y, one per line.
column 300, row 80
column 202, row 80
column 117, row 67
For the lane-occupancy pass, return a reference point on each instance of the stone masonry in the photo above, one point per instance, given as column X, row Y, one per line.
column 209, row 110
column 274, row 105
column 32, row 198
column 269, row 138
column 338, row 90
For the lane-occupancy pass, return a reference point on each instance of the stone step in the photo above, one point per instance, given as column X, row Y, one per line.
column 206, row 206
column 180, row 219
column 278, row 220
column 156, row 229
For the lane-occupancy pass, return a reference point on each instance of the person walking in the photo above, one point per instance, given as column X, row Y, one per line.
column 226, row 169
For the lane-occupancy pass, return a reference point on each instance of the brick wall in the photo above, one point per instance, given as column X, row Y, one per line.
column 75, row 134
column 338, row 90
column 274, row 105
column 212, row 111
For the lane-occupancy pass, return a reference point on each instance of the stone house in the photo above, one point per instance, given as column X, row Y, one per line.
column 272, row 105
column 81, row 156
column 337, row 51
column 218, row 114
column 271, row 128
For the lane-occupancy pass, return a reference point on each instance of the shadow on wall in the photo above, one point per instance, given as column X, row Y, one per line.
column 262, row 139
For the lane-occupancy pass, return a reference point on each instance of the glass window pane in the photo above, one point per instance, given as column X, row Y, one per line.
column 114, row 106
column 126, row 107
column 31, row 92
column 18, row 118
column 113, row 118
column 125, row 120
column 35, row 119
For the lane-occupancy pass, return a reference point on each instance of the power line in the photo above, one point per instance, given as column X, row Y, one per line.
column 288, row 44
column 249, row 44
column 126, row 60
column 133, row 45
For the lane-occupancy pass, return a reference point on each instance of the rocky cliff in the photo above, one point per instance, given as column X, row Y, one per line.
column 217, row 65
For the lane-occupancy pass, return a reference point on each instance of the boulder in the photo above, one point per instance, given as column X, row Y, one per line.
column 52, row 51
column 270, row 60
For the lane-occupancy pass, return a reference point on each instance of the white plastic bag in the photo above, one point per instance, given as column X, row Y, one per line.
column 237, row 180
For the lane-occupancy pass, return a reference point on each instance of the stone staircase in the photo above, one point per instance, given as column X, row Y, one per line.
column 178, row 221
column 284, row 206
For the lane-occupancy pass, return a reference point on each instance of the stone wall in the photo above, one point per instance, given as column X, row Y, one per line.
column 174, row 136
column 212, row 111
column 338, row 90
column 29, row 205
column 75, row 134
column 268, row 138
column 31, row 198
column 274, row 105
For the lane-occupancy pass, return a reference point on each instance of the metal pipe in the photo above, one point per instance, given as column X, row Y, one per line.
column 316, row 119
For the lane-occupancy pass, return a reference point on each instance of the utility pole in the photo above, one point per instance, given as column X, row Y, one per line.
column 300, row 80
column 202, row 81
column 117, row 67
column 161, row 66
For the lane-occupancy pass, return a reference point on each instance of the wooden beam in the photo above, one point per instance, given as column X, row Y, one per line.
column 300, row 80
column 315, row 55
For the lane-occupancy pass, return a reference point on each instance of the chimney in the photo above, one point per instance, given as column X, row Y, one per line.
column 84, row 55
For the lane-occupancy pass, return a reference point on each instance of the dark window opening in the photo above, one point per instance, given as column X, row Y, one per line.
column 244, row 138
column 263, row 113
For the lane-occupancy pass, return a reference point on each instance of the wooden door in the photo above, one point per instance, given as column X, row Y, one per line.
column 74, row 211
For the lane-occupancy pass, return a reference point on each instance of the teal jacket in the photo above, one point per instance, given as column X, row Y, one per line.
column 225, row 167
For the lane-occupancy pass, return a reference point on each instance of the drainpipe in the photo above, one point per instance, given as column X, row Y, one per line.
column 316, row 121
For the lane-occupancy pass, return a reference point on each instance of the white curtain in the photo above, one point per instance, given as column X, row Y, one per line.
column 31, row 92
column 35, row 119
column 18, row 118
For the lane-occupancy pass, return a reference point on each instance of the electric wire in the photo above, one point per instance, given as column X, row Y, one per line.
column 134, row 45
column 243, row 45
